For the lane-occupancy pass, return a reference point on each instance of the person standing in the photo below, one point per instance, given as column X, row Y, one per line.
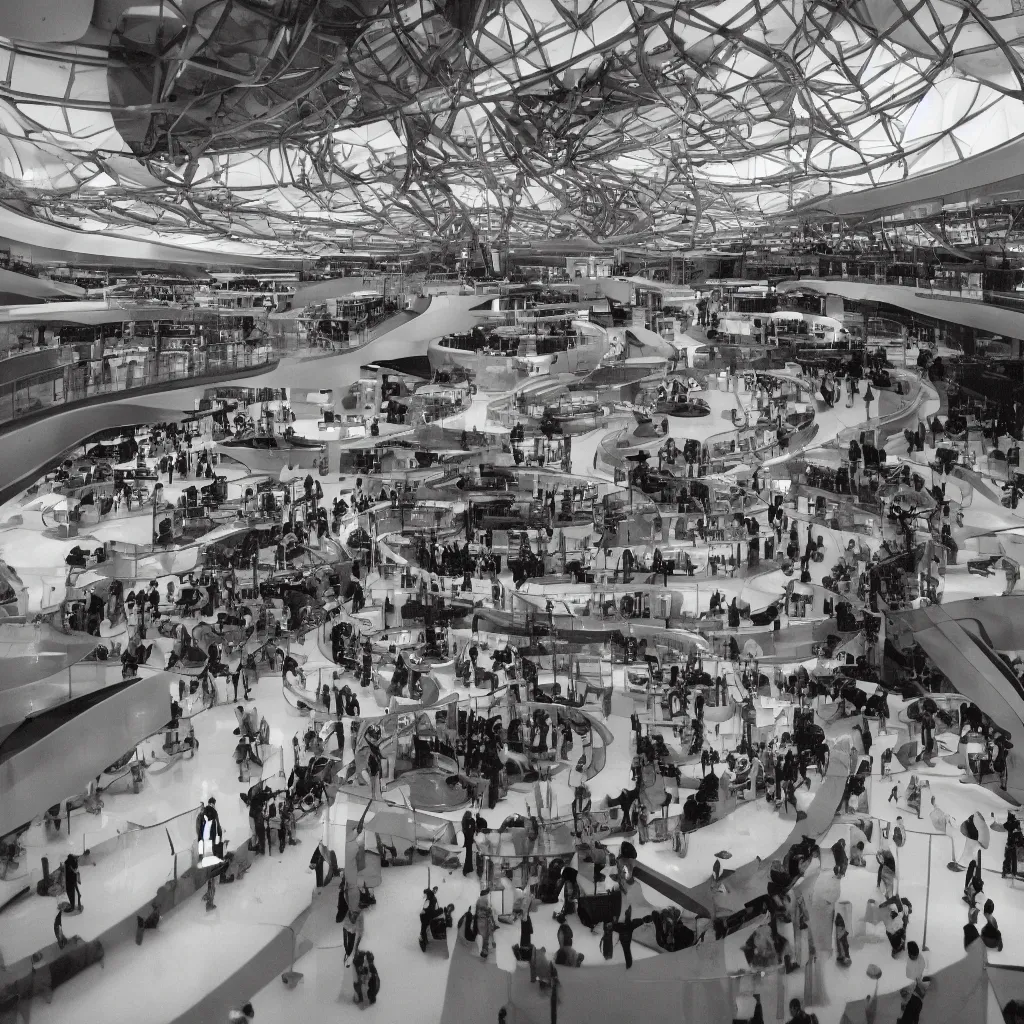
column 564, row 936
column 468, row 832
column 1013, row 835
column 374, row 768
column 899, row 833
column 71, row 879
column 842, row 860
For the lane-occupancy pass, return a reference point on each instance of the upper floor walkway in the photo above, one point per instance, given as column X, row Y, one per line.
column 1008, row 323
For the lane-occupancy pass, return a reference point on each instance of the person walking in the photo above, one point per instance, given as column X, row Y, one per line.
column 789, row 791
column 990, row 933
column 352, row 932
column 343, row 904
column 625, row 929
column 524, row 908
column 372, row 979
column 427, row 914
column 896, row 924
column 973, row 883
column 917, row 965
column 555, row 997
column 486, row 925
column 886, row 877
column 842, row 942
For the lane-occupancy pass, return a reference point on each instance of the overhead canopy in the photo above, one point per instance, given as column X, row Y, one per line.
column 699, row 119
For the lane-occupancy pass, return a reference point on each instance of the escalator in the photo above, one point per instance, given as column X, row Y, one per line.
column 995, row 659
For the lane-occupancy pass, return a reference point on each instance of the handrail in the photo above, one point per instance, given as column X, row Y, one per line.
column 936, row 288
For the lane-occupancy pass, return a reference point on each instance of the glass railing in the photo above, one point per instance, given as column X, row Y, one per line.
column 67, row 385
column 938, row 288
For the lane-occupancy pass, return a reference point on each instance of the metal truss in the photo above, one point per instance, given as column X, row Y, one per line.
column 314, row 125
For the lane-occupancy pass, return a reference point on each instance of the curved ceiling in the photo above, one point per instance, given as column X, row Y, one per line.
column 323, row 125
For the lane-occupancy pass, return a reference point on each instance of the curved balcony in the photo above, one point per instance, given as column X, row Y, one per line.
column 41, row 392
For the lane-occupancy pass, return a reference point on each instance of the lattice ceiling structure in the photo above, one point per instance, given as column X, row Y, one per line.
column 318, row 125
